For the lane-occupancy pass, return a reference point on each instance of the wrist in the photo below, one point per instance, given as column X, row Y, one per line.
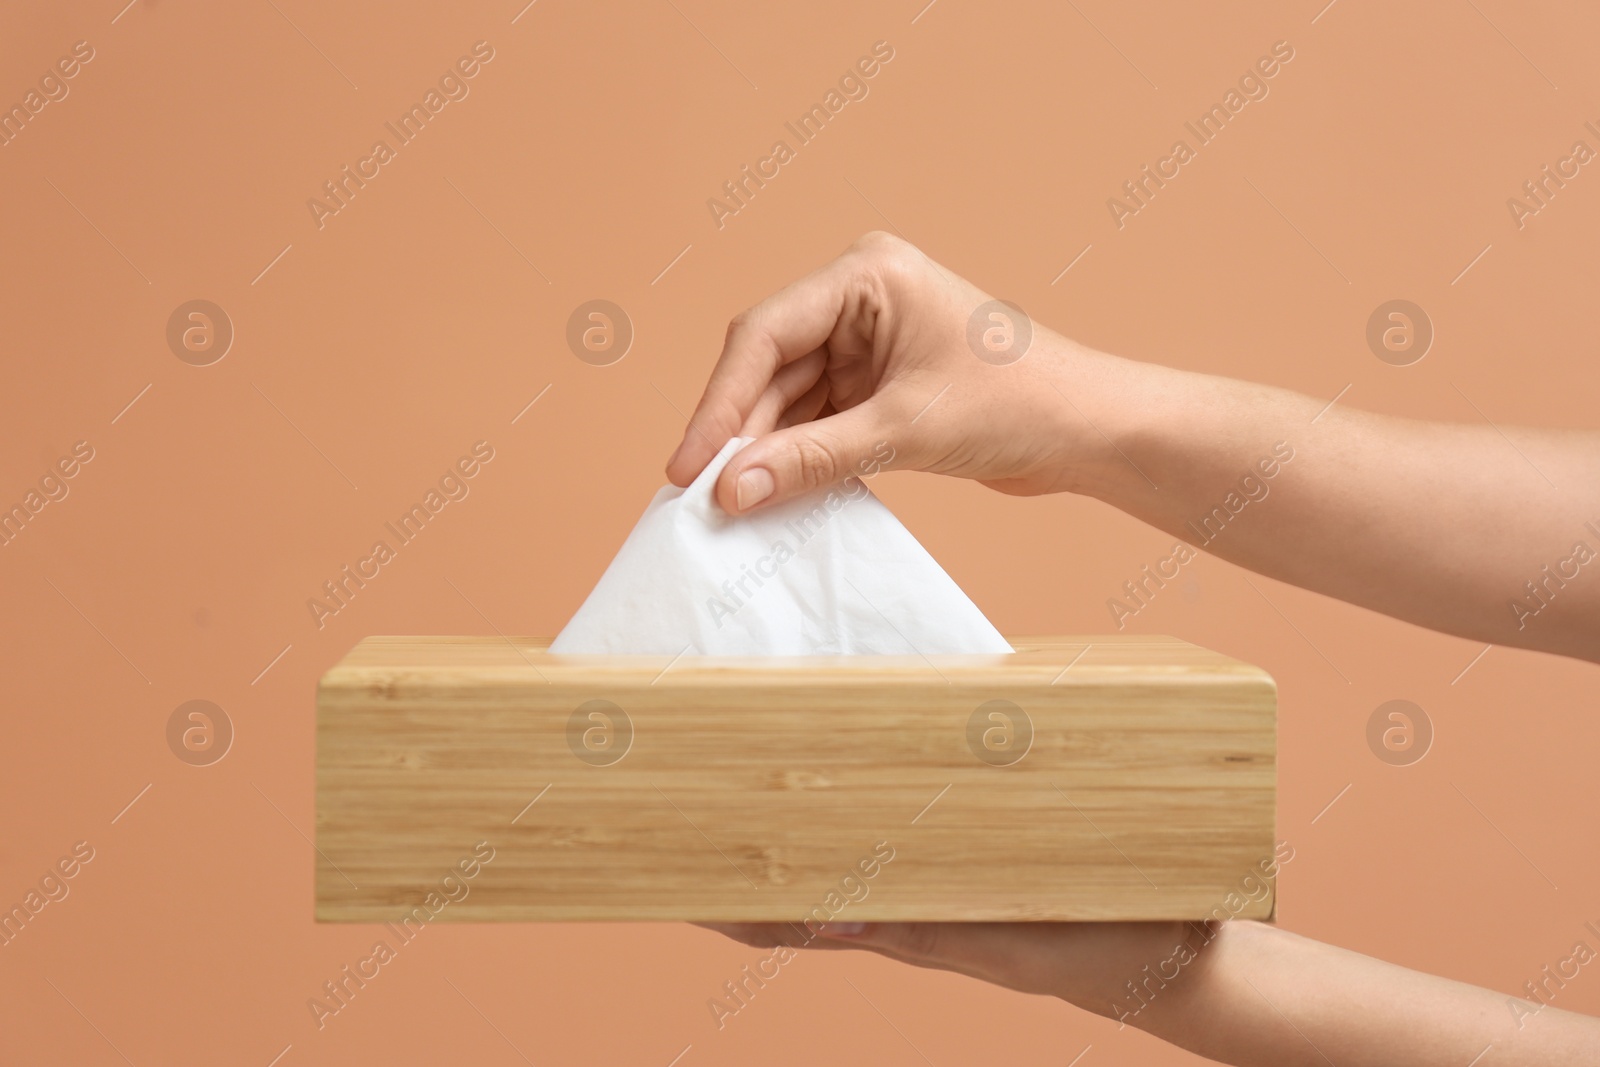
column 1098, row 405
column 1199, row 1007
column 1166, row 985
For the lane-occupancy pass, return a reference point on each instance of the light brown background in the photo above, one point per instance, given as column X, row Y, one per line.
column 409, row 328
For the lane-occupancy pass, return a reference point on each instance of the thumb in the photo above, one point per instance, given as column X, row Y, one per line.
column 790, row 462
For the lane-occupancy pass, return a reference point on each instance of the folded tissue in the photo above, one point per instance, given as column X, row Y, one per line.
column 829, row 573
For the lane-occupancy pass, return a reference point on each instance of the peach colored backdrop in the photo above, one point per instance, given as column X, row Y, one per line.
column 373, row 346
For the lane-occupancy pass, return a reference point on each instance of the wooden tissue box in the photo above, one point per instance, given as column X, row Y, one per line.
column 484, row 779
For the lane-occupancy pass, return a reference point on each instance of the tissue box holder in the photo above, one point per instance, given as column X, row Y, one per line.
column 1094, row 778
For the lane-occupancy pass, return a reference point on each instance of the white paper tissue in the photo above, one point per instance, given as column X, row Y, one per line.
column 833, row 572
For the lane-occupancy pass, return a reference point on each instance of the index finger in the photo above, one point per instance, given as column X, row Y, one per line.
column 784, row 327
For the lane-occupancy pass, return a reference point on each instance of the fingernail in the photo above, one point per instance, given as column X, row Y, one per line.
column 845, row 929
column 754, row 486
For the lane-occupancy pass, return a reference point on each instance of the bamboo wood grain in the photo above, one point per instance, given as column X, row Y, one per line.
column 751, row 787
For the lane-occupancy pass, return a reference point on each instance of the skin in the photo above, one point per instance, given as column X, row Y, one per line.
column 1440, row 524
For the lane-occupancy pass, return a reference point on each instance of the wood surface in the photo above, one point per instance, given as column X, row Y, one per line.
column 751, row 788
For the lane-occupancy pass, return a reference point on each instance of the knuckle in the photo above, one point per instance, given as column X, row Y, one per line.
column 814, row 463
column 886, row 259
column 738, row 323
column 877, row 241
column 751, row 331
column 719, row 418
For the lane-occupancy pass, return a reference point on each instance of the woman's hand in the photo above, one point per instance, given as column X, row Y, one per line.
column 1243, row 993
column 874, row 348
column 1111, row 969
column 1483, row 530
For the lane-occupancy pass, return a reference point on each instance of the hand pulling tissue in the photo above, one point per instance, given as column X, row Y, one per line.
column 829, row 573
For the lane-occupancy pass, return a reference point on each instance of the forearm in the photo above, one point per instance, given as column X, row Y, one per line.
column 1440, row 524
column 1261, row 995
